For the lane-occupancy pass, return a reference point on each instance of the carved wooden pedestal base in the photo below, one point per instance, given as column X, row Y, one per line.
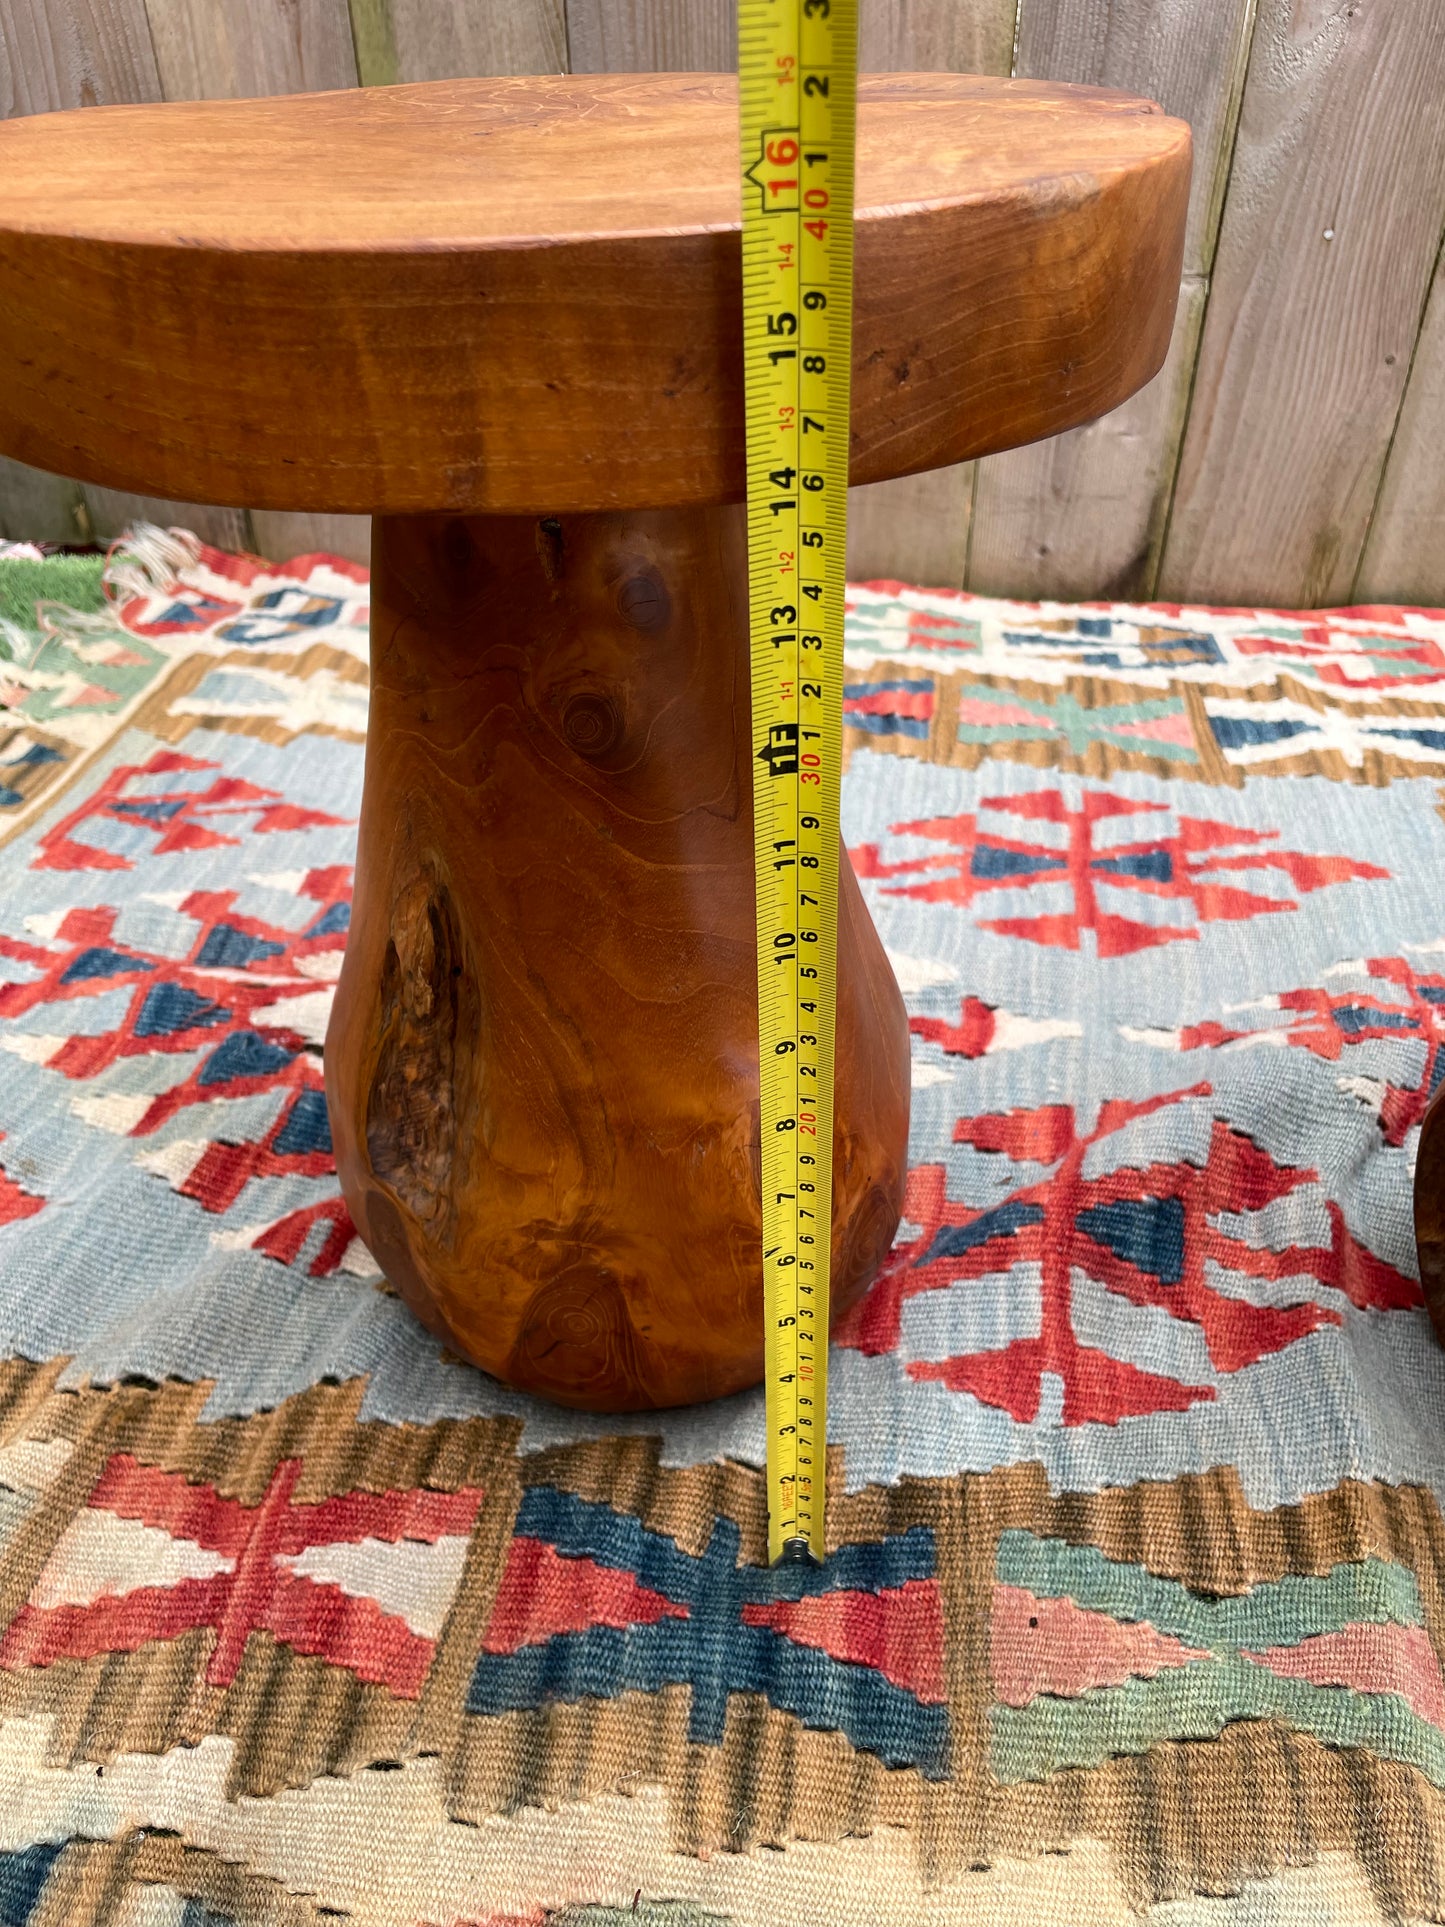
column 542, row 1067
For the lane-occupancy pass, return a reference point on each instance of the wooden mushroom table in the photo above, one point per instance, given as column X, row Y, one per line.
column 504, row 318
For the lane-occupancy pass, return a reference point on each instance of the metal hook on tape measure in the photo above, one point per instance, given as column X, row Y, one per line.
column 797, row 1552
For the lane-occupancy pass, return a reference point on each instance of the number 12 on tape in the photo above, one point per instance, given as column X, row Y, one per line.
column 798, row 84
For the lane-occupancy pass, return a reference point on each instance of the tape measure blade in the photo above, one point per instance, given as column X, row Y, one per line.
column 797, row 68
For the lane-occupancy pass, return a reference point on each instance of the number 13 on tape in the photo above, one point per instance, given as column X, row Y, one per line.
column 798, row 83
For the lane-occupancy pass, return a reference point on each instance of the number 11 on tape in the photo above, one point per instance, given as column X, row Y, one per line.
column 797, row 68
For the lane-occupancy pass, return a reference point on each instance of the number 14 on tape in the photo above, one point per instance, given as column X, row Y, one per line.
column 798, row 83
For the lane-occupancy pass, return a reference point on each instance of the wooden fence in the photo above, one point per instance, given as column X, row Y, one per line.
column 1289, row 453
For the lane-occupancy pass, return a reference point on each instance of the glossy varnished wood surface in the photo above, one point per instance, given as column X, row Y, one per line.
column 523, row 295
column 542, row 1069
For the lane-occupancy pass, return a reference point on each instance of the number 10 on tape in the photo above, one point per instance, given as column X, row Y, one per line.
column 798, row 82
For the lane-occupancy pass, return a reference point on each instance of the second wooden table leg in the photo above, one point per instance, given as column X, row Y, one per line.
column 542, row 1067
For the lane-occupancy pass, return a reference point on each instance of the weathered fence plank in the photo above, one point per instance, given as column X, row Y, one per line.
column 1330, row 231
column 38, row 507
column 918, row 526
column 1189, row 58
column 1084, row 514
column 638, row 36
column 1404, row 559
column 936, row 36
column 83, row 54
column 438, row 40
column 213, row 49
column 914, row 529
column 280, row 535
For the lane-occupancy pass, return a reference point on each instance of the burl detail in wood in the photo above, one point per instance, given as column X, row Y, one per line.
column 506, row 317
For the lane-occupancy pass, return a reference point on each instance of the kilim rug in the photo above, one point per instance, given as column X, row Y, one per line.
column 1134, row 1606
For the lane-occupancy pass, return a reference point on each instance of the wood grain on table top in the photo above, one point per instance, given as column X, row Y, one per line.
column 483, row 163
column 522, row 295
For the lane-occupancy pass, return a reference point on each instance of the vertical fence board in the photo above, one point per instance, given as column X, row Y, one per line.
column 374, row 41
column 1083, row 514
column 641, row 36
column 214, row 50
column 85, row 53
column 917, row 527
column 280, row 535
column 913, row 529
column 37, row 507
column 936, row 36
column 1404, row 559
column 446, row 40
column 1329, row 236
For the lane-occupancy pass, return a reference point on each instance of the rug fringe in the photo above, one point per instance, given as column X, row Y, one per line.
column 17, row 646
column 148, row 560
column 21, row 649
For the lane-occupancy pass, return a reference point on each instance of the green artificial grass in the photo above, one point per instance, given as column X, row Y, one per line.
column 71, row 579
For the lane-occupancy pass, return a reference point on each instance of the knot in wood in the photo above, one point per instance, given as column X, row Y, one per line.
column 578, row 1336
column 591, row 724
column 643, row 601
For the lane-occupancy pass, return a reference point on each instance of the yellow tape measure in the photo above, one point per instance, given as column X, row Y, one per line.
column 798, row 83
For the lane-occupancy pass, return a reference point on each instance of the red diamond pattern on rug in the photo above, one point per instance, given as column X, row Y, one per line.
column 179, row 819
column 363, row 1580
column 1146, row 1234
column 251, row 997
column 1187, row 867
column 1327, row 1023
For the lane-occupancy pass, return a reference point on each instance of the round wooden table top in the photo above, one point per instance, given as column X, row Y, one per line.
column 525, row 295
